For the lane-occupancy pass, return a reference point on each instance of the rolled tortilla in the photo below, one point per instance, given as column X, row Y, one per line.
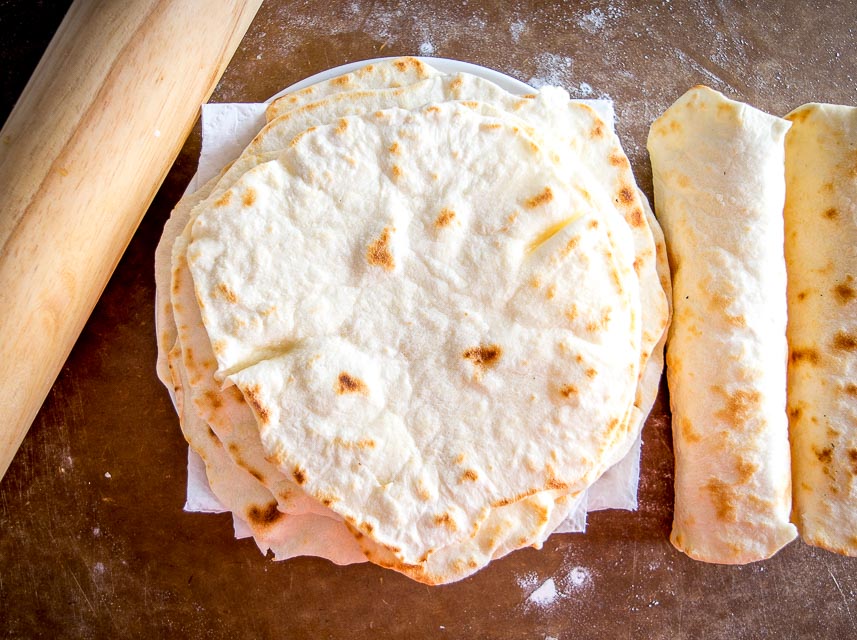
column 821, row 257
column 718, row 171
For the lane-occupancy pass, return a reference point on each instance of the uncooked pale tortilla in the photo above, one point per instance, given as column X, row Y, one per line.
column 719, row 190
column 821, row 257
column 339, row 320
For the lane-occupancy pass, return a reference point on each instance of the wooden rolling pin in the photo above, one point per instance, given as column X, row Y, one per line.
column 81, row 157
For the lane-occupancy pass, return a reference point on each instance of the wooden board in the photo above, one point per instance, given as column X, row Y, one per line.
column 94, row 542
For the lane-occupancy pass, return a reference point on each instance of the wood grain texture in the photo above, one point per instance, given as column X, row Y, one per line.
column 81, row 157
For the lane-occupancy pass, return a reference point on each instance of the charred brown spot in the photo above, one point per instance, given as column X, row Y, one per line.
column 228, row 294
column 367, row 528
column 378, row 252
column 740, row 407
column 264, row 516
column 539, row 199
column 252, row 395
column 805, row 355
column 211, row 434
column 394, row 148
column 852, row 459
column 618, row 160
column 825, row 455
column 299, row 475
column 568, row 390
column 724, row 499
column 795, row 413
column 850, row 389
column 223, row 200
column 626, row 195
column 597, row 130
column 215, row 401
column 844, row 291
column 802, row 296
column 845, row 341
column 445, row 217
column 831, row 214
column 484, row 356
column 249, row 197
column 591, row 373
column 445, row 520
column 637, row 219
column 687, row 431
column 470, row 475
column 401, row 65
column 346, row 383
column 342, row 126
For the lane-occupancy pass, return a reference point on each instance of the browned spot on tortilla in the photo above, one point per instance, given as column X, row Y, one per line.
column 401, row 65
column 249, row 197
column 444, row 218
column 740, row 407
column 484, row 356
column 365, row 443
column 367, row 528
column 223, row 200
column 802, row 295
column 850, row 389
column 459, row 459
column 456, row 83
column 299, row 475
column 844, row 291
column 597, row 130
column 799, row 116
column 592, row 224
column 470, row 475
column 795, row 413
column 687, row 431
column 539, row 199
column 224, row 290
column 852, row 459
column 264, row 516
column 346, row 383
column 342, row 80
column 825, row 455
column 535, row 282
column 342, row 126
column 845, row 341
column 212, row 435
column 378, row 253
column 591, row 373
column 490, row 126
column 551, row 292
column 746, row 469
column 724, row 499
column 445, row 520
column 396, row 171
column 433, row 109
column 251, row 394
column 831, row 213
column 215, row 401
column 568, row 390
column 626, row 195
column 618, row 160
column 809, row 355
column 637, row 219
column 394, row 148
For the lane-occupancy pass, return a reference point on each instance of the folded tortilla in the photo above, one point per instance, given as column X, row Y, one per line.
column 718, row 171
column 821, row 257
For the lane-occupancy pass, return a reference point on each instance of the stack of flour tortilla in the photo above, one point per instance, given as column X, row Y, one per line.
column 415, row 320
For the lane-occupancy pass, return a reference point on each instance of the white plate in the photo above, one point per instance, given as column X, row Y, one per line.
column 444, row 65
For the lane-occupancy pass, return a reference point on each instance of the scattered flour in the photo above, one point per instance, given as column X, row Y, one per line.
column 545, row 594
column 576, row 579
column 528, row 581
column 592, row 21
column 98, row 569
column 426, row 48
column 551, row 69
column 516, row 29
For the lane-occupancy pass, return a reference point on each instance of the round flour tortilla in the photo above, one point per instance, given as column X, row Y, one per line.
column 307, row 295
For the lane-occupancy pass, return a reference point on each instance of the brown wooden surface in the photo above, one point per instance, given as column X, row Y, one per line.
column 84, row 554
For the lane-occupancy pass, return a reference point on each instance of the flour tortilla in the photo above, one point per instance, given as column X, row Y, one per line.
column 719, row 193
column 604, row 159
column 334, row 298
column 386, row 74
column 821, row 258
